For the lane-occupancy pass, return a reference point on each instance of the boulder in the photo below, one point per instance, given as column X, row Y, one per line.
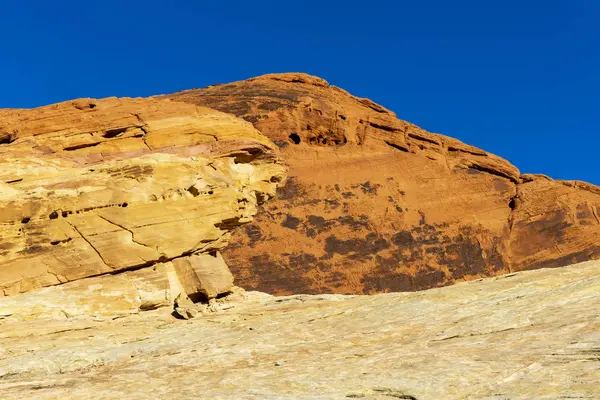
column 205, row 274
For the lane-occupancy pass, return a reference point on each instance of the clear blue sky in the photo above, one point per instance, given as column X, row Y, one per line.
column 517, row 78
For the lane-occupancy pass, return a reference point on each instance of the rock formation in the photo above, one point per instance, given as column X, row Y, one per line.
column 116, row 206
column 137, row 195
column 376, row 204
column 526, row 335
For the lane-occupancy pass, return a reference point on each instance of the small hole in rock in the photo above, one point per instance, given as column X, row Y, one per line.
column 295, row 138
column 25, row 220
column 6, row 139
column 111, row 133
column 124, row 205
column 92, row 105
column 53, row 215
column 65, row 214
column 193, row 191
column 57, row 242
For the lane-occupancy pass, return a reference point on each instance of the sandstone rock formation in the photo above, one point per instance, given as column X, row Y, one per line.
column 116, row 206
column 376, row 204
column 139, row 193
column 526, row 335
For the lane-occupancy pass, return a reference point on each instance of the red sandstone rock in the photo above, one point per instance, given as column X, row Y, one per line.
column 376, row 204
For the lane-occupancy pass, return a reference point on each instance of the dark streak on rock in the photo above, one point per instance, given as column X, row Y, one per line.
column 291, row 222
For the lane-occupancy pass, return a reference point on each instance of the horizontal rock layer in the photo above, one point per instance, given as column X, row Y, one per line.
column 528, row 335
column 100, row 187
column 376, row 204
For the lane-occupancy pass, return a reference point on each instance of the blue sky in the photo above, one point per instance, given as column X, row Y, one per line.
column 516, row 78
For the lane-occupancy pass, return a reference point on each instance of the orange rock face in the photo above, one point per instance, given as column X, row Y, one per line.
column 376, row 204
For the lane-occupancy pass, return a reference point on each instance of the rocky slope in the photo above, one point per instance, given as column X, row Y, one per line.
column 526, row 335
column 140, row 193
column 376, row 204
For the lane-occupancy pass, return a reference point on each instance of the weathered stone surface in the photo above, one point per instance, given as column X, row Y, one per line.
column 185, row 307
column 555, row 223
column 106, row 296
column 526, row 335
column 376, row 204
column 205, row 274
column 98, row 187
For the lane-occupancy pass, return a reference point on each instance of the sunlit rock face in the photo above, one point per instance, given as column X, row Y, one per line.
column 139, row 193
column 376, row 204
column 526, row 335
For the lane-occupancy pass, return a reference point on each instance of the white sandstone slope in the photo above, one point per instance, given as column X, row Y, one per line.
column 528, row 335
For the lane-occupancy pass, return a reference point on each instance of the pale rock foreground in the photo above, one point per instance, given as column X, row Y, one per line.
column 527, row 335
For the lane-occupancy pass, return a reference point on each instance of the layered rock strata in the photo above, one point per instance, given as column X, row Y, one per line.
column 140, row 193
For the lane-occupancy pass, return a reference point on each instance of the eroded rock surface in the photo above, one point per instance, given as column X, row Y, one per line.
column 526, row 335
column 376, row 204
column 140, row 193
